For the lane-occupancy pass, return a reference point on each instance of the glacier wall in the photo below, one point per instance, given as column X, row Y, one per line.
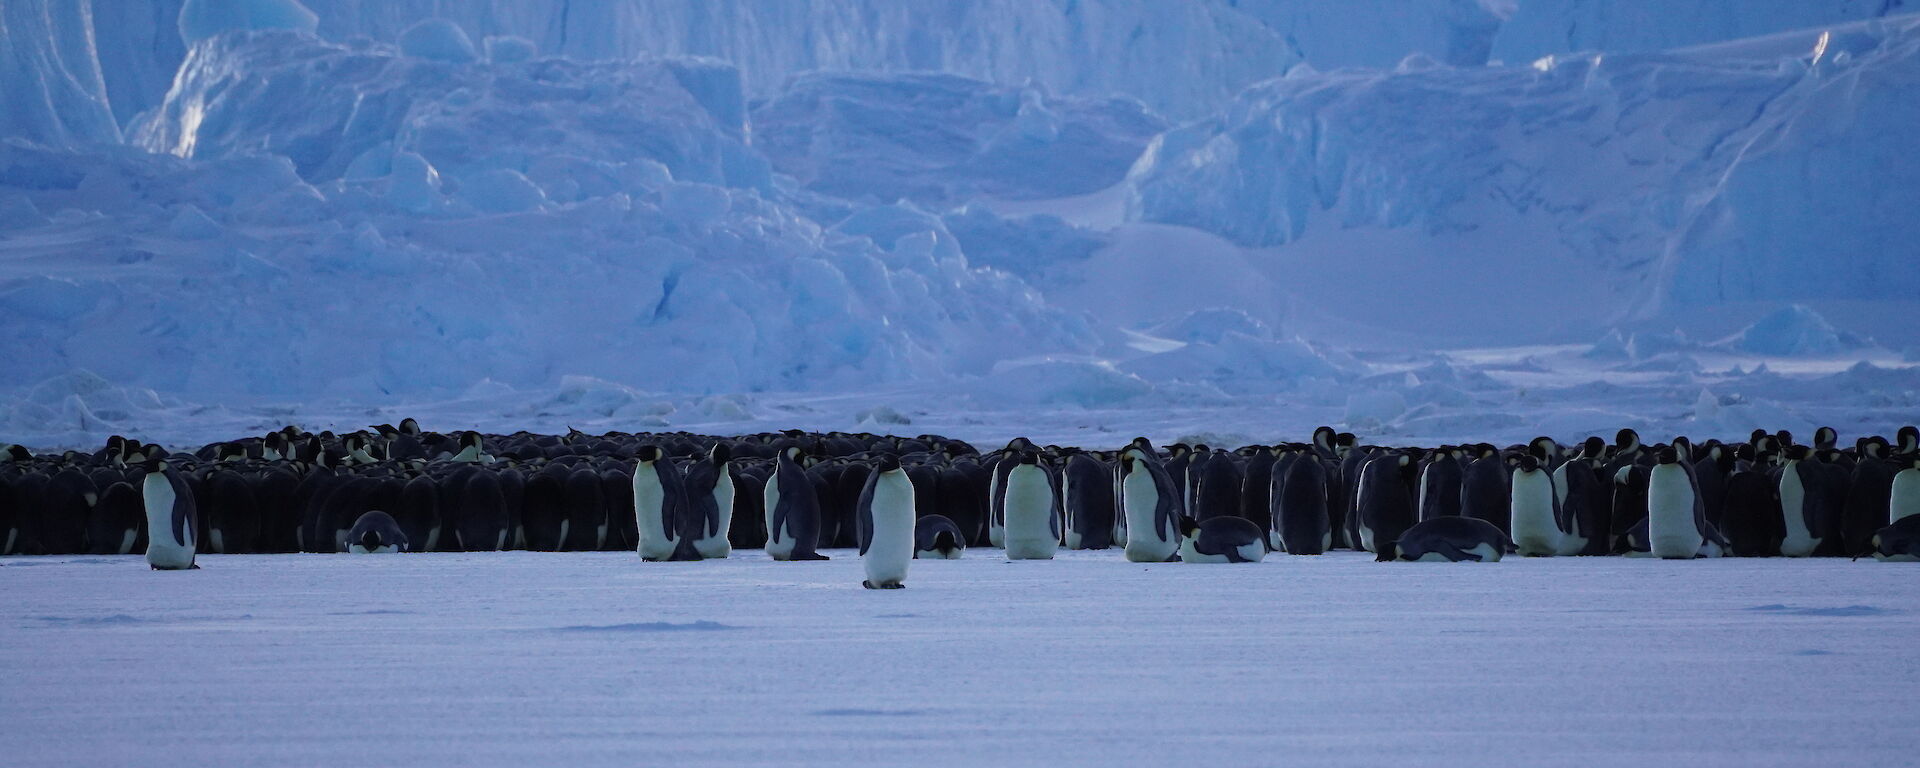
column 1759, row 170
column 51, row 89
column 350, row 221
column 1547, row 27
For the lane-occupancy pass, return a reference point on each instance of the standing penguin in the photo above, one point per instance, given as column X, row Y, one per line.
column 1385, row 503
column 709, row 518
column 1676, row 517
column 1485, row 488
column 1440, row 481
column 937, row 537
column 171, row 536
column 1804, row 503
column 1150, row 502
column 1869, row 501
column 1751, row 520
column 659, row 499
column 1300, row 510
column 1903, row 497
column 1086, row 494
column 793, row 510
column 885, row 513
column 1032, row 528
column 1535, row 511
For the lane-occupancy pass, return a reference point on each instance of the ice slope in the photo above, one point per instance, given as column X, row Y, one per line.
column 1553, row 27
column 591, row 659
column 942, row 140
column 1769, row 170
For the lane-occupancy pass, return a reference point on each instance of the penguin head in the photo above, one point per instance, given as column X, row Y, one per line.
column 719, row 454
column 19, row 453
column 1784, row 437
column 1825, row 437
column 1527, row 462
column 1323, row 437
column 1142, row 444
column 1188, row 526
column 647, row 454
column 1798, row 453
column 887, row 463
column 1028, row 458
column 371, row 539
column 1626, row 440
column 409, row 426
column 470, row 439
column 1547, row 445
column 1594, row 449
column 1684, row 447
column 1667, row 455
column 1908, row 437
column 1871, row 447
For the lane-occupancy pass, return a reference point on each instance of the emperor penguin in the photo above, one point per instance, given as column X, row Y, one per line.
column 1032, row 527
column 1447, row 539
column 885, row 513
column 1676, row 518
column 1086, row 495
column 709, row 518
column 1903, row 499
column 1300, row 521
column 1803, row 503
column 793, row 510
column 171, row 517
column 1869, row 500
column 997, row 489
column 1385, row 503
column 376, row 533
column 937, row 537
column 659, row 499
column 1150, row 503
column 1535, row 511
column 1224, row 539
column 1899, row 542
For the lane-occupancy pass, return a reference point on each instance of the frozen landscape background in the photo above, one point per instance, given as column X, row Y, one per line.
column 1438, row 221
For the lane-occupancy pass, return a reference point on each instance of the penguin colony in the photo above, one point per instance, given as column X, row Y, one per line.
column 678, row 496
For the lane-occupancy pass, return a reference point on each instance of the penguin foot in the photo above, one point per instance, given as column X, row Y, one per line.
column 871, row 585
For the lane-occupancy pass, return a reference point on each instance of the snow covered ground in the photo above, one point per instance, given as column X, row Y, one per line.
column 516, row 659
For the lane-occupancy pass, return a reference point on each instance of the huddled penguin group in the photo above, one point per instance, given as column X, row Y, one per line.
column 680, row 496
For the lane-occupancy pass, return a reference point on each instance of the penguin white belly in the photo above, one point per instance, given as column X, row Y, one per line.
column 1366, row 538
column 1671, row 530
column 433, row 539
column 890, row 547
column 218, row 541
column 163, row 551
column 1535, row 531
column 361, row 549
column 1139, row 498
column 126, row 541
column 717, row 545
column 649, row 511
column 779, row 544
column 1489, row 553
column 1029, row 511
column 1571, row 543
column 1905, row 499
column 1273, row 540
column 1800, row 541
column 566, row 527
column 1190, row 554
